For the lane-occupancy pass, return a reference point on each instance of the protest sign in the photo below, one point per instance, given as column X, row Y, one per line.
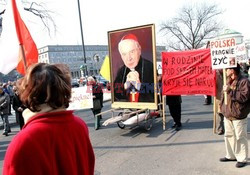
column 241, row 53
column 223, row 53
column 81, row 98
column 187, row 73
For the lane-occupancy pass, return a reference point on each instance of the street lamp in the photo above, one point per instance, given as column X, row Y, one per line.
column 83, row 46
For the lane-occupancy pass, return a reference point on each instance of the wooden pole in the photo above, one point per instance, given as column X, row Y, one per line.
column 225, row 83
column 163, row 112
column 23, row 57
column 215, row 116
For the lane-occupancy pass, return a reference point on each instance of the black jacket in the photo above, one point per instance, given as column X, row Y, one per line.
column 98, row 93
column 16, row 103
column 173, row 99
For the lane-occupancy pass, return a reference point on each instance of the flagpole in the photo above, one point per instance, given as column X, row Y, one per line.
column 23, row 57
column 17, row 18
column 17, row 37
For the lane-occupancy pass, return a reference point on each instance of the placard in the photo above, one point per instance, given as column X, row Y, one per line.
column 81, row 98
column 223, row 53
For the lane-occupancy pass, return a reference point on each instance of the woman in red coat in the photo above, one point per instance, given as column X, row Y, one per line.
column 53, row 140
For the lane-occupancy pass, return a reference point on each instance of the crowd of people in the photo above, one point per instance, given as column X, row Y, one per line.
column 9, row 99
column 42, row 117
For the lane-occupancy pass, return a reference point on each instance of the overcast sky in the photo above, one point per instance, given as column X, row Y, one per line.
column 101, row 16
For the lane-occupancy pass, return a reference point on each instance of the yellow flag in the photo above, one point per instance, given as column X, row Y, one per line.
column 105, row 69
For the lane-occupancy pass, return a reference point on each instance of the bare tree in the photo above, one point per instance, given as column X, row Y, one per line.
column 39, row 10
column 192, row 27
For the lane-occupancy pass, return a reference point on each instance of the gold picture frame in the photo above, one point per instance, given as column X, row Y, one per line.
column 146, row 97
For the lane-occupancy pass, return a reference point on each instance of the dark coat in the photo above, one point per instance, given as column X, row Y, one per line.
column 98, row 93
column 16, row 103
column 146, row 74
column 173, row 99
column 4, row 103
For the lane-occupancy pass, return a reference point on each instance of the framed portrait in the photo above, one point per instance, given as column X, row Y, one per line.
column 132, row 54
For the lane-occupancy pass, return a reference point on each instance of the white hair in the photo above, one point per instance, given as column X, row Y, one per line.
column 91, row 78
column 124, row 41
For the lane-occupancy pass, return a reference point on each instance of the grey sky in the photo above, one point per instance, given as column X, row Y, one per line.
column 100, row 16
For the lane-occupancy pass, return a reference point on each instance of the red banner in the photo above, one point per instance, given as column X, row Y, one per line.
column 188, row 73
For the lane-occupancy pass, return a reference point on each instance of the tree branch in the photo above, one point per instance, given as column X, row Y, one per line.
column 2, row 12
column 40, row 11
column 192, row 26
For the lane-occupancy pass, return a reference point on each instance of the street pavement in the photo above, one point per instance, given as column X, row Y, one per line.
column 194, row 150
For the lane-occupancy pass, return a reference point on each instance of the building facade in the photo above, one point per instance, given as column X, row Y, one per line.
column 72, row 55
column 229, row 33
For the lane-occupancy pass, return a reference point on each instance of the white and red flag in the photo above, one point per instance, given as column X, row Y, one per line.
column 17, row 47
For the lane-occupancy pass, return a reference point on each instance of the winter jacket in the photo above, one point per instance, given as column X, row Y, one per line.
column 51, row 143
column 238, row 100
column 4, row 103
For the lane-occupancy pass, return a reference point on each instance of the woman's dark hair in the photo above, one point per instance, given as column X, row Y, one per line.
column 45, row 84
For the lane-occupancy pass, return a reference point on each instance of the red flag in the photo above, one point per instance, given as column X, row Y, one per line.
column 25, row 41
column 27, row 50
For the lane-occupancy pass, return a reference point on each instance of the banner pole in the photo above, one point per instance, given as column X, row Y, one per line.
column 225, row 83
column 163, row 112
column 215, row 116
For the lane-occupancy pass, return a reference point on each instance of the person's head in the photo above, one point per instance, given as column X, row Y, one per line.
column 45, row 84
column 91, row 81
column 233, row 72
column 65, row 69
column 10, row 83
column 130, row 50
column 159, row 77
column 232, row 61
column 14, row 89
column 5, row 85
